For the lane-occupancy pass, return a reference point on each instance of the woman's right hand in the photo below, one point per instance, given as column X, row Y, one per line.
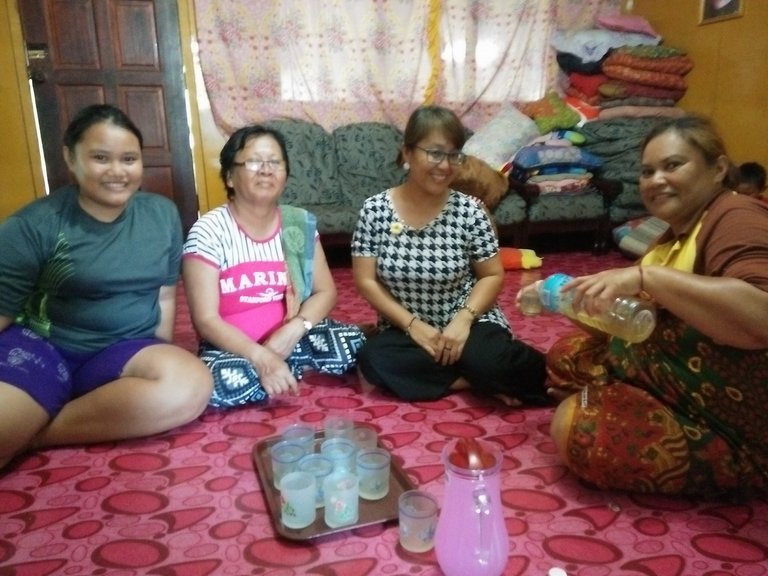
column 428, row 337
column 276, row 378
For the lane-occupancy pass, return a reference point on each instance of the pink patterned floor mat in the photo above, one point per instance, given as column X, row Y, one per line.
column 189, row 503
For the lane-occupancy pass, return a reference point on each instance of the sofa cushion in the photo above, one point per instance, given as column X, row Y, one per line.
column 312, row 180
column 334, row 218
column 366, row 159
column 511, row 210
column 584, row 206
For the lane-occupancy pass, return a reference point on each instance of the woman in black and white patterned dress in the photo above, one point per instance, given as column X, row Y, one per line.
column 427, row 259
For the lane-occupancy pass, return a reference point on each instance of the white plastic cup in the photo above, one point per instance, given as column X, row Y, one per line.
column 373, row 472
column 365, row 437
column 285, row 457
column 336, row 426
column 320, row 467
column 297, row 499
column 340, row 451
column 530, row 302
column 342, row 504
column 417, row 514
column 303, row 434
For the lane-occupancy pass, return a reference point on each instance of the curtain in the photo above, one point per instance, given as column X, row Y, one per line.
column 335, row 62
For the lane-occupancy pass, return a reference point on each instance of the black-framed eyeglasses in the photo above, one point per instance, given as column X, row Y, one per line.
column 436, row 156
column 259, row 165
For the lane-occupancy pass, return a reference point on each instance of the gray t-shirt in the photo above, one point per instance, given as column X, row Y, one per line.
column 85, row 284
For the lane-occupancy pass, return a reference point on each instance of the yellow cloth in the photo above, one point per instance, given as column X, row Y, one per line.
column 678, row 253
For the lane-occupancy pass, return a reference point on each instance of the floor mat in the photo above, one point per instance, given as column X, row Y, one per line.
column 188, row 502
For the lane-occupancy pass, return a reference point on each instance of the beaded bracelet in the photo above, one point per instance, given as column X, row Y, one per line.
column 471, row 310
column 640, row 268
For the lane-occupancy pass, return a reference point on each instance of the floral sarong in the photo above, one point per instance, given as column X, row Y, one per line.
column 676, row 414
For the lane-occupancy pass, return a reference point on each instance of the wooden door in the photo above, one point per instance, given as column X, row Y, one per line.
column 121, row 52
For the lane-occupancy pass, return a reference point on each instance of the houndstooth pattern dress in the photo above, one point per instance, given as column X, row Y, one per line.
column 428, row 270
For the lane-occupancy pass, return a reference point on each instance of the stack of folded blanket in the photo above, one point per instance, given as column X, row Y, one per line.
column 645, row 76
column 628, row 73
column 555, row 163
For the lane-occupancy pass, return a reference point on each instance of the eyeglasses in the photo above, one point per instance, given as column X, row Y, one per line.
column 259, row 165
column 436, row 156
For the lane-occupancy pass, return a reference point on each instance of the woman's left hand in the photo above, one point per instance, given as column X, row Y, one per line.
column 450, row 343
column 283, row 340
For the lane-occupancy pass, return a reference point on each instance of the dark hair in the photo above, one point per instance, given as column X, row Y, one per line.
column 237, row 142
column 699, row 132
column 427, row 119
column 753, row 173
column 96, row 114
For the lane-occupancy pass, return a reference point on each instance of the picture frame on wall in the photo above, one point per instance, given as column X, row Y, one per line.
column 717, row 10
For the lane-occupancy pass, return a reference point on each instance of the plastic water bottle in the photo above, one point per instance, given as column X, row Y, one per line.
column 631, row 319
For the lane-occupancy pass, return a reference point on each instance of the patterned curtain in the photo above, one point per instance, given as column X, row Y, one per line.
column 340, row 61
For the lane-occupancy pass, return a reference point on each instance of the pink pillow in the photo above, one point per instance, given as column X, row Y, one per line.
column 627, row 23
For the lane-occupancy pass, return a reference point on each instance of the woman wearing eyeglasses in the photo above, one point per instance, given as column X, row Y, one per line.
column 427, row 259
column 258, row 283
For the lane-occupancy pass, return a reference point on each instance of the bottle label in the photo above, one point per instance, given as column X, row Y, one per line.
column 550, row 291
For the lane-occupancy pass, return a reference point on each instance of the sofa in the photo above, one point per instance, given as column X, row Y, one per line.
column 332, row 173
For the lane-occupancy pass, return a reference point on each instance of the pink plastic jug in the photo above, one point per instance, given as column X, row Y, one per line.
column 471, row 537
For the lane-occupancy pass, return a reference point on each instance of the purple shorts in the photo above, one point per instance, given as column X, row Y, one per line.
column 53, row 377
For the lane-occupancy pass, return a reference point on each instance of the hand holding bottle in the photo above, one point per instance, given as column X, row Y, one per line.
column 629, row 318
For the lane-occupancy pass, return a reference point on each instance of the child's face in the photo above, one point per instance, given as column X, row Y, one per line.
column 748, row 188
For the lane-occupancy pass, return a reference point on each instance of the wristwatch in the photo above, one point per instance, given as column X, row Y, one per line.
column 307, row 323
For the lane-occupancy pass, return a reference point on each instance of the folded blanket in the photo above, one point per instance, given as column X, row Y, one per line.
column 669, row 65
column 562, row 186
column 650, row 51
column 620, row 89
column 578, row 94
column 636, row 101
column 645, row 77
column 641, row 112
column 587, row 84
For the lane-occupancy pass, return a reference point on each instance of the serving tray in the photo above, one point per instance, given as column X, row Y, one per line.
column 370, row 511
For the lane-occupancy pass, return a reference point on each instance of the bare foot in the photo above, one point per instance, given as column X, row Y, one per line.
column 461, row 383
column 508, row 401
column 365, row 386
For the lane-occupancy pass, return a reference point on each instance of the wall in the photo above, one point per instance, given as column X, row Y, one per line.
column 729, row 81
column 20, row 163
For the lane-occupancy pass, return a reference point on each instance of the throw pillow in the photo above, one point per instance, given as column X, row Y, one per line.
column 476, row 178
column 503, row 135
column 593, row 44
column 627, row 23
column 518, row 258
column 635, row 237
column 550, row 113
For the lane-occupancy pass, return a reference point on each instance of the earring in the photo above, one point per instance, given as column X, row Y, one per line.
column 406, row 166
